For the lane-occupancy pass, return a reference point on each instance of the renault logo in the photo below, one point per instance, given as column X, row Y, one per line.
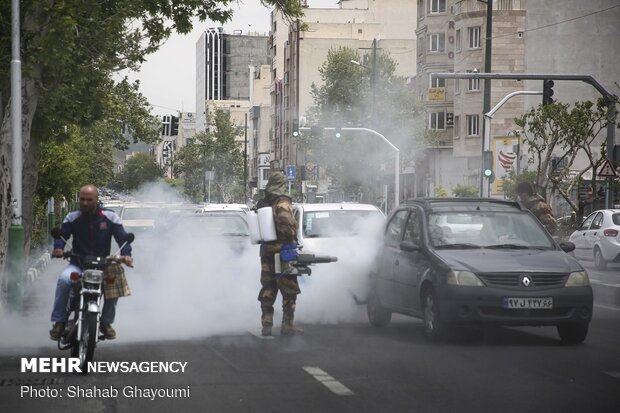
column 526, row 281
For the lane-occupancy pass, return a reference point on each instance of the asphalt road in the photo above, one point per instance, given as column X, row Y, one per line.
column 339, row 367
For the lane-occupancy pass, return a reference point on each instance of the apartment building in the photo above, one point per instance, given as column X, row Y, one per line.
column 223, row 64
column 298, row 49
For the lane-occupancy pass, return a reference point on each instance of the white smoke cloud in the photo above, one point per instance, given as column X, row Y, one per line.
column 197, row 286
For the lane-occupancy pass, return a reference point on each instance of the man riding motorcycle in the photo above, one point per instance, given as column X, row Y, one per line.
column 92, row 229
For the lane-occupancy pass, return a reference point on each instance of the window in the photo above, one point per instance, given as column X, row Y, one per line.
column 457, row 125
column 420, row 9
column 473, row 125
column 436, row 42
column 437, row 120
column 458, row 40
column 420, row 46
column 457, row 86
column 394, row 230
column 436, row 82
column 473, row 33
column 436, row 6
column 588, row 221
column 413, row 232
column 598, row 221
column 473, row 85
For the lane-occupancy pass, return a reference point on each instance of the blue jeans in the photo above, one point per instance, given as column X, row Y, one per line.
column 61, row 299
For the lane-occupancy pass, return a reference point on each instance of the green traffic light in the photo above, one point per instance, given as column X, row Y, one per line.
column 488, row 172
column 338, row 135
column 295, row 134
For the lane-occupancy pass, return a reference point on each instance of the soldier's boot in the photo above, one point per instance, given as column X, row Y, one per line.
column 267, row 322
column 288, row 329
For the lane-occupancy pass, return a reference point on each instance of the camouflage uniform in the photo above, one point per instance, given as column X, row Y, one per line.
column 537, row 205
column 286, row 230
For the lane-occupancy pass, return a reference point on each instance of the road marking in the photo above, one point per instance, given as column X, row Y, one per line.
column 328, row 381
column 604, row 283
column 606, row 307
column 615, row 374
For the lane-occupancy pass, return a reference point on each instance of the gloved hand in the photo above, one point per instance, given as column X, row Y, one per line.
column 288, row 252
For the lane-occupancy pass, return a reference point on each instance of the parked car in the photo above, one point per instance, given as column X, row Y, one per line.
column 456, row 261
column 598, row 238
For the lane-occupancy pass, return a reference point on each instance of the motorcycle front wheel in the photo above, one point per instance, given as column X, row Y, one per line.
column 88, row 341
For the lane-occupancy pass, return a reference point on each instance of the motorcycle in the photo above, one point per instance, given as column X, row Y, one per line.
column 85, row 303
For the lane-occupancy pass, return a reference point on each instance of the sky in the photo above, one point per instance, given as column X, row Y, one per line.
column 168, row 77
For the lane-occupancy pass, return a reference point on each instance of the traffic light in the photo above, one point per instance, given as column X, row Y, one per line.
column 295, row 128
column 547, row 91
column 174, row 125
column 338, row 133
column 487, row 165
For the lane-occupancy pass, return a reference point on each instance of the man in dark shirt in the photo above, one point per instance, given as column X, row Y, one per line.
column 92, row 229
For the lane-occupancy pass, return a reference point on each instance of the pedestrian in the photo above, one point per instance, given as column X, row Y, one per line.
column 92, row 229
column 286, row 231
column 537, row 205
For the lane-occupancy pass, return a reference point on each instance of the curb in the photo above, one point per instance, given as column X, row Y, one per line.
column 37, row 269
column 605, row 293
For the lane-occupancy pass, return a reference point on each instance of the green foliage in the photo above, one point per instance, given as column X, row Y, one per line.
column 139, row 169
column 351, row 96
column 512, row 180
column 466, row 191
column 441, row 192
column 565, row 132
column 213, row 150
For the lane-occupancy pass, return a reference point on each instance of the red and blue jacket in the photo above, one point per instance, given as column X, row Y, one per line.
column 92, row 234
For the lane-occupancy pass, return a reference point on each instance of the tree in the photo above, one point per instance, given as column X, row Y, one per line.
column 556, row 134
column 70, row 52
column 347, row 98
column 512, row 180
column 138, row 170
column 213, row 150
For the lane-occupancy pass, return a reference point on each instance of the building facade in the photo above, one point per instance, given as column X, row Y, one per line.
column 223, row 64
column 299, row 48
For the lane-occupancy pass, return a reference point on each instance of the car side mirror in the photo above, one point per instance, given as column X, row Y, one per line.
column 567, row 246
column 409, row 246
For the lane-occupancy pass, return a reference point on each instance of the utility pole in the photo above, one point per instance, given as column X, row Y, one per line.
column 487, row 82
column 245, row 160
column 15, row 285
column 373, row 83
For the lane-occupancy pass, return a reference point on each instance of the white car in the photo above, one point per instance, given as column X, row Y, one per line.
column 352, row 232
column 598, row 238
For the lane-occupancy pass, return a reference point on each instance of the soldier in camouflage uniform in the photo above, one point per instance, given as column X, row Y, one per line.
column 537, row 205
column 286, row 230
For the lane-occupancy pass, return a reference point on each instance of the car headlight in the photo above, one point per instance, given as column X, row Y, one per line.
column 577, row 279
column 464, row 278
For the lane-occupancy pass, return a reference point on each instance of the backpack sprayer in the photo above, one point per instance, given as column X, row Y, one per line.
column 289, row 261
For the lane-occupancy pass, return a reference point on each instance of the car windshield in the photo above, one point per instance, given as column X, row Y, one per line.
column 323, row 224
column 214, row 224
column 116, row 208
column 484, row 229
column 141, row 213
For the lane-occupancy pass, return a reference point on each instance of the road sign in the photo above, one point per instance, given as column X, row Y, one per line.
column 607, row 170
column 290, row 172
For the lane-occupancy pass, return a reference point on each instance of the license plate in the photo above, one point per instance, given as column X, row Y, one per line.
column 534, row 302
